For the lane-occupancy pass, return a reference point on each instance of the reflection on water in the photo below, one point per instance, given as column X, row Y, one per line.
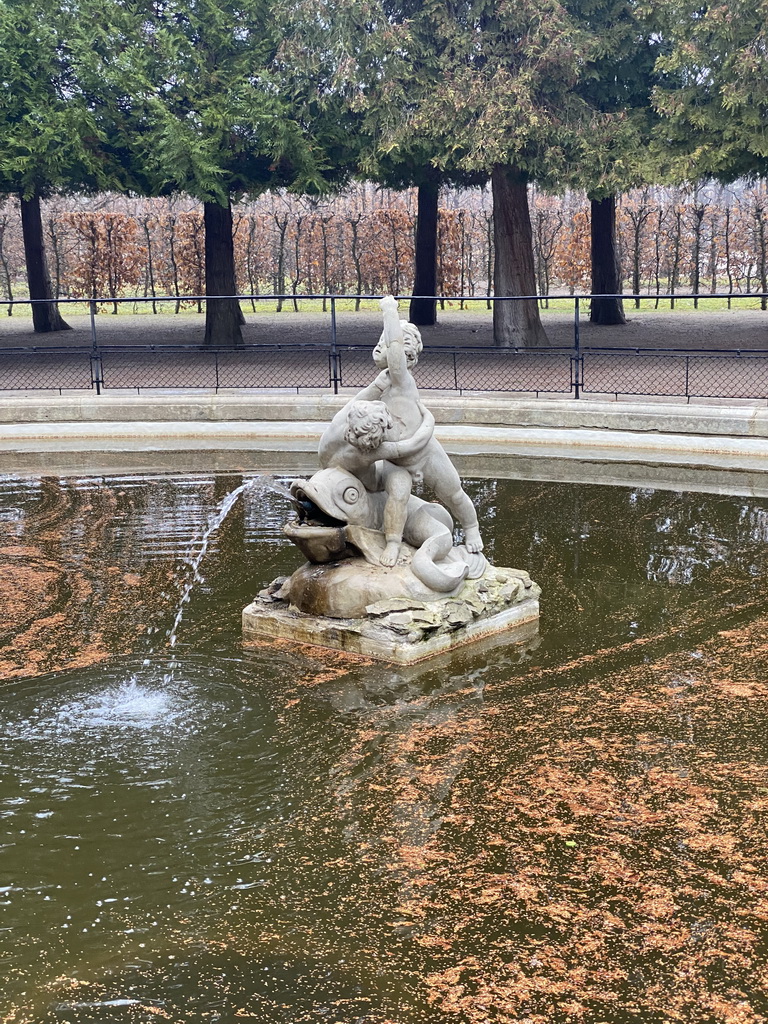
column 569, row 828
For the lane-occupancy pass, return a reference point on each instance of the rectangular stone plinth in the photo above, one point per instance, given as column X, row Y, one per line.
column 367, row 637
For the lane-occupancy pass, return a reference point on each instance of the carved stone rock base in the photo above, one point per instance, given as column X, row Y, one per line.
column 403, row 630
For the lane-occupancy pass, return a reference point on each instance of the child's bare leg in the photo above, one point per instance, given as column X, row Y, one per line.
column 448, row 490
column 397, row 484
column 441, row 476
column 459, row 504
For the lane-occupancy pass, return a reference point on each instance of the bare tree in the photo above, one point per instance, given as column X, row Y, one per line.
column 5, row 266
column 759, row 209
column 281, row 220
column 639, row 212
column 547, row 227
column 697, row 212
column 661, row 216
column 354, row 224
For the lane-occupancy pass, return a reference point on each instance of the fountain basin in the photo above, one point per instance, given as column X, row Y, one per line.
column 286, row 835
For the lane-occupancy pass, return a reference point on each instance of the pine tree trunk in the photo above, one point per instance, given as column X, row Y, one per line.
column 45, row 315
column 223, row 317
column 606, row 278
column 515, row 324
column 423, row 312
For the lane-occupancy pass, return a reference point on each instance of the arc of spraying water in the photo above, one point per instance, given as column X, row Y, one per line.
column 263, row 483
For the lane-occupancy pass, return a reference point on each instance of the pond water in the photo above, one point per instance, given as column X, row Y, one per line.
column 571, row 827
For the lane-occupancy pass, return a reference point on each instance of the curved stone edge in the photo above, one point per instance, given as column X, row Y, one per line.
column 368, row 638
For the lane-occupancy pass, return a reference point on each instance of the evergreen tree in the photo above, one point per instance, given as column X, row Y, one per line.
column 617, row 84
column 402, row 169
column 361, row 54
column 48, row 139
column 713, row 101
column 399, row 160
column 208, row 109
column 371, row 58
column 474, row 87
column 507, row 105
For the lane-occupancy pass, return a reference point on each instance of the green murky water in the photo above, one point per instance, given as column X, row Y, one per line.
column 567, row 828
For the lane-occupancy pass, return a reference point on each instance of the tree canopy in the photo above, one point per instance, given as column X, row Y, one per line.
column 713, row 101
column 221, row 99
column 49, row 139
column 202, row 100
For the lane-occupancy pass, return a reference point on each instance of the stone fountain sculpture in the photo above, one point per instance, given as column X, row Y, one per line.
column 383, row 575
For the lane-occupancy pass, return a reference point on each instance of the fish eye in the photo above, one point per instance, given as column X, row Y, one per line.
column 350, row 495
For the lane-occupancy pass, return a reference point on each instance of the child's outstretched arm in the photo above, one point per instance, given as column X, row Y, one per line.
column 393, row 338
column 393, row 330
column 374, row 390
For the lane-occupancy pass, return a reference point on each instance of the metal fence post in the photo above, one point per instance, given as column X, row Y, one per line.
column 334, row 349
column 576, row 349
column 96, row 367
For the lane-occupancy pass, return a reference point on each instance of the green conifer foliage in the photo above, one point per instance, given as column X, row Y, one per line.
column 507, row 105
column 482, row 88
column 617, row 81
column 199, row 100
column 713, row 98
column 48, row 139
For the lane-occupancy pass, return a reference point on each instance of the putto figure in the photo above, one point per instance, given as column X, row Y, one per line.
column 385, row 437
column 363, row 434
column 396, row 354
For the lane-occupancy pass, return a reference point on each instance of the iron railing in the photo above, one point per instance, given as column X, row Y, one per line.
column 573, row 371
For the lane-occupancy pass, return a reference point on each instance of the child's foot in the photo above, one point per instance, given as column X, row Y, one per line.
column 390, row 554
column 473, row 540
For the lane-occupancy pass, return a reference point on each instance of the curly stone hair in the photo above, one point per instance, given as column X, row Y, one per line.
column 367, row 423
column 412, row 344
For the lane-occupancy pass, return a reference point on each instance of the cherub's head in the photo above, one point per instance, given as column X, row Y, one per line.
column 367, row 423
column 412, row 346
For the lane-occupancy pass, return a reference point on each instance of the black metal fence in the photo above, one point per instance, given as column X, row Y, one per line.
column 573, row 371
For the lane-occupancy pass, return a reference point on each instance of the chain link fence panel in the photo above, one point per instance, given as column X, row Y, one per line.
column 154, row 367
column 666, row 373
column 676, row 374
column 481, row 369
column 42, row 369
column 622, row 373
column 514, row 370
column 737, row 376
column 275, row 366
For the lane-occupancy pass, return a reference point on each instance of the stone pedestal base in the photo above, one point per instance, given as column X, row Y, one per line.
column 403, row 630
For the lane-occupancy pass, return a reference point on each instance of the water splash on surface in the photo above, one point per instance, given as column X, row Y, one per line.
column 129, row 706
